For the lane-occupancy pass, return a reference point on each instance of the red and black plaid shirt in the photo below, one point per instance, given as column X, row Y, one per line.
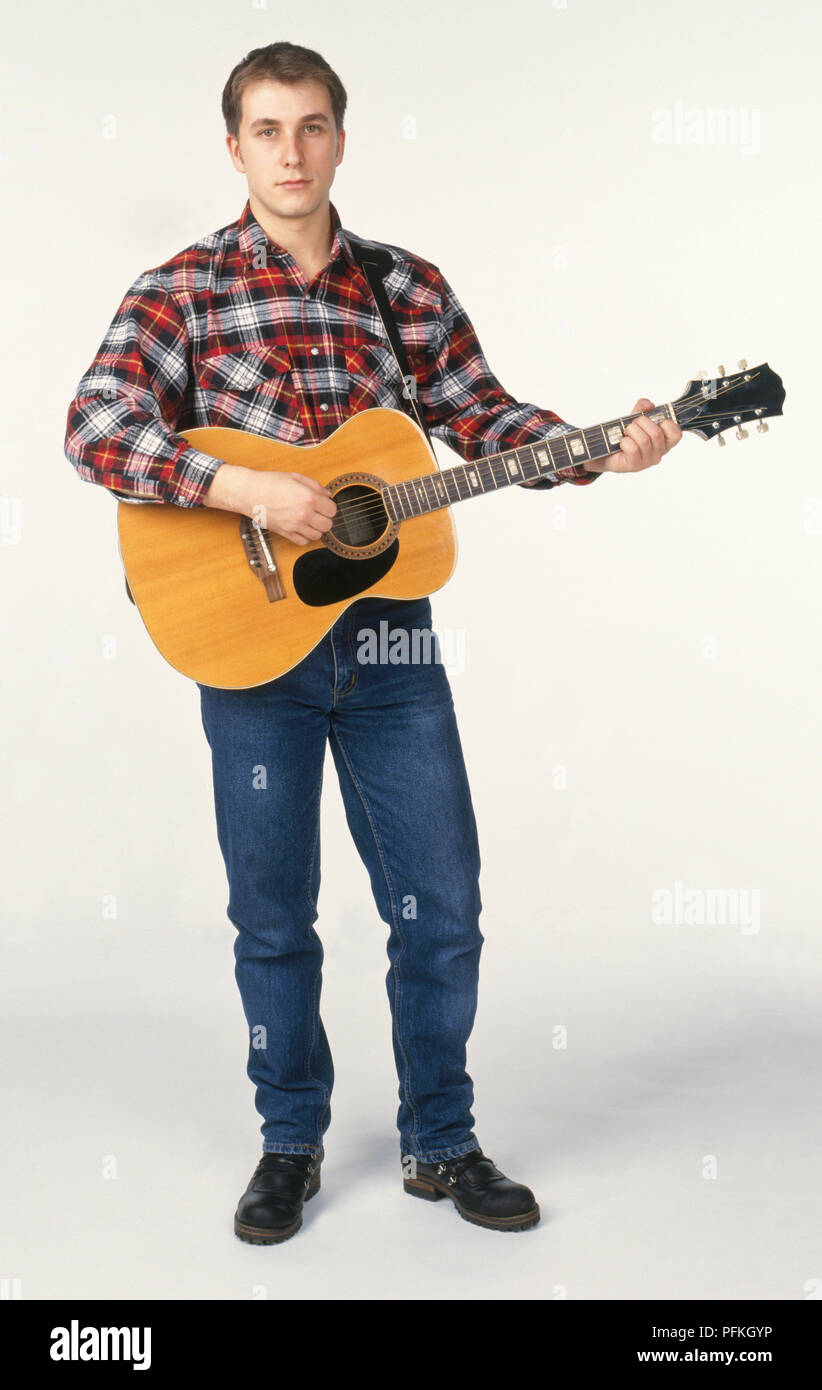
column 228, row 332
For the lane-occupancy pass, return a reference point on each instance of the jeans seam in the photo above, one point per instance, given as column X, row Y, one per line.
column 347, row 618
column 349, row 633
column 395, row 921
column 314, row 1003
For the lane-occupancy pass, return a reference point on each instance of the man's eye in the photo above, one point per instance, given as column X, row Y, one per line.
column 311, row 126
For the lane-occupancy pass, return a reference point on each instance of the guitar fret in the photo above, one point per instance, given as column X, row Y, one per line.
column 389, row 502
column 553, row 445
column 545, row 458
column 613, row 432
column 530, row 467
column 490, row 478
column 563, row 443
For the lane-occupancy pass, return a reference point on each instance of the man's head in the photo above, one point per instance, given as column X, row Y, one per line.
column 284, row 108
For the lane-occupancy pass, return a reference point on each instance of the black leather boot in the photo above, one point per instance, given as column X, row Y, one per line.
column 479, row 1191
column 271, row 1208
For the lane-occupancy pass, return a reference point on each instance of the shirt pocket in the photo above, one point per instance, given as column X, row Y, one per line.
column 252, row 389
column 374, row 377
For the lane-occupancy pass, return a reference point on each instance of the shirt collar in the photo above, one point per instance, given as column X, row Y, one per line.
column 251, row 237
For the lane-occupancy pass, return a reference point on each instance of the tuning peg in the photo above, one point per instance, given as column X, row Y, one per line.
column 720, row 439
column 742, row 364
column 761, row 427
column 740, row 433
column 720, row 371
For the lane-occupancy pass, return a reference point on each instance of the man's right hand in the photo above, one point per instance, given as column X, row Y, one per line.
column 290, row 504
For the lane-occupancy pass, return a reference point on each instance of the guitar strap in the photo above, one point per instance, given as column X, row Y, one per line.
column 375, row 264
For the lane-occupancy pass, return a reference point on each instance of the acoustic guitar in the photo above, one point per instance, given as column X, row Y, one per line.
column 231, row 604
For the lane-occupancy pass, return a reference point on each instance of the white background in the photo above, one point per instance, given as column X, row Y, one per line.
column 657, row 637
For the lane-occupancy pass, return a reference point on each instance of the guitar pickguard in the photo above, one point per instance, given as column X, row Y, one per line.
column 320, row 577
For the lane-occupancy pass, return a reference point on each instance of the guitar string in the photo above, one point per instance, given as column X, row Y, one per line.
column 373, row 506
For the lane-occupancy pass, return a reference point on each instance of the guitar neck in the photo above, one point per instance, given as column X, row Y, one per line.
column 545, row 458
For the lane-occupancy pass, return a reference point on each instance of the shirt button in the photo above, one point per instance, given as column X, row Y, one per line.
column 323, row 406
column 314, row 352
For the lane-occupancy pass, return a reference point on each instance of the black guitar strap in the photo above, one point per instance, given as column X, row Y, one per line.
column 375, row 264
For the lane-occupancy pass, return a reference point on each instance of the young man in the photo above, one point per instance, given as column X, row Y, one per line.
column 269, row 325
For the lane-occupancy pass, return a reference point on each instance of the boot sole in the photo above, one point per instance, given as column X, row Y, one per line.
column 432, row 1192
column 269, row 1235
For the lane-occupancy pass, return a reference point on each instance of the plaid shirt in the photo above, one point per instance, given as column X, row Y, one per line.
column 228, row 332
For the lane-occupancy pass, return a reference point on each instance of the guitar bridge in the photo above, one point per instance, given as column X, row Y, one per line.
column 260, row 559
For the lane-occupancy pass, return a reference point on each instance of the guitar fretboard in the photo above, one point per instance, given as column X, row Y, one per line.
column 546, row 458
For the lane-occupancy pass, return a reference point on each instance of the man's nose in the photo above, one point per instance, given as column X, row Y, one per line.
column 290, row 151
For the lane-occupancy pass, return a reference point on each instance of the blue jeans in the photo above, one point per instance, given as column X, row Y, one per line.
column 398, row 756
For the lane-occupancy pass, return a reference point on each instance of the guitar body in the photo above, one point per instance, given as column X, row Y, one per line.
column 208, row 596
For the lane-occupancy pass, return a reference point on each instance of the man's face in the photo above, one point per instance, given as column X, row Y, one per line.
column 288, row 146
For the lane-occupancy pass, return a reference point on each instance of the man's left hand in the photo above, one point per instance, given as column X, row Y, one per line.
column 642, row 445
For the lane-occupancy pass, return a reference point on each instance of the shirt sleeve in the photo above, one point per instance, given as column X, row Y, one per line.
column 467, row 407
column 120, row 429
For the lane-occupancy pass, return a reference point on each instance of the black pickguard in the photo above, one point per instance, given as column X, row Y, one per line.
column 322, row 577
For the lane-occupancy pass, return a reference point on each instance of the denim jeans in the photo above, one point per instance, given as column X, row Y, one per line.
column 398, row 756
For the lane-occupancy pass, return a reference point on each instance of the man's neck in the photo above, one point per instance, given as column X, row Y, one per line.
column 308, row 239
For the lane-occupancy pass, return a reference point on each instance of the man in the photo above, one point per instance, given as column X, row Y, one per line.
column 269, row 325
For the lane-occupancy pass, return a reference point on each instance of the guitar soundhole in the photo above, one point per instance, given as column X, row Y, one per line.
column 361, row 516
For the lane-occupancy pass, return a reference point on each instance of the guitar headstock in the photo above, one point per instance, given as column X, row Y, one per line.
column 709, row 407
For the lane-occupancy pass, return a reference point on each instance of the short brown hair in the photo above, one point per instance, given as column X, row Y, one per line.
column 280, row 62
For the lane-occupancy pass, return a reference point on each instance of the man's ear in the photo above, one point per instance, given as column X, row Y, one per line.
column 236, row 159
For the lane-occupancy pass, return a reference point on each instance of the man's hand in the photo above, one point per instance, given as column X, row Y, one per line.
column 642, row 445
column 291, row 504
